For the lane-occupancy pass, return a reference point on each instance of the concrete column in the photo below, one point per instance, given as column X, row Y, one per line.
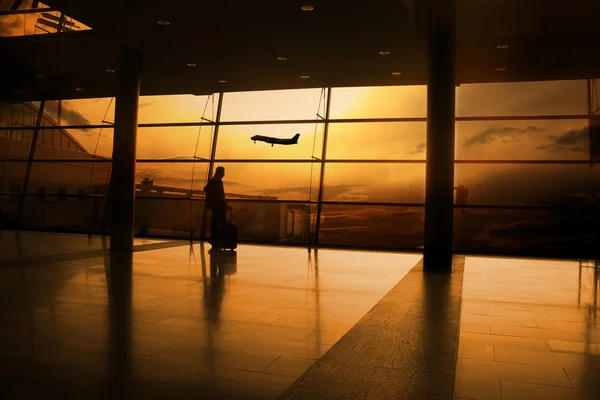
column 439, row 197
column 123, row 168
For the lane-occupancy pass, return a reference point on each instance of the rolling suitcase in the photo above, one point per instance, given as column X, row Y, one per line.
column 228, row 236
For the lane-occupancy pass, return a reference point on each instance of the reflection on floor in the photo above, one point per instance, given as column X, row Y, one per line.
column 529, row 330
column 17, row 245
column 186, row 323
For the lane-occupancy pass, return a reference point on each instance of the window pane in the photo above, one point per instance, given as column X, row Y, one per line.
column 11, row 176
column 25, row 5
column 401, row 183
column 370, row 226
column 73, row 215
column 276, row 181
column 88, row 176
column 528, row 184
column 522, row 98
column 75, row 143
column 377, row 140
column 572, row 233
column 177, row 108
column 171, row 179
column 79, row 112
column 523, row 140
column 13, row 145
column 272, row 222
column 9, row 213
column 379, row 102
column 273, row 105
column 235, row 141
column 175, row 142
column 18, row 114
column 37, row 24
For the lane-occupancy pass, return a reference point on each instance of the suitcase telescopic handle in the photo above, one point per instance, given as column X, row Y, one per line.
column 230, row 215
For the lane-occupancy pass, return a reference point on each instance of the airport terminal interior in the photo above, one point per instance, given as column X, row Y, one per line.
column 414, row 183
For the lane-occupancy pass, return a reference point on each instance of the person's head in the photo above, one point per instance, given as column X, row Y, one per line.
column 220, row 172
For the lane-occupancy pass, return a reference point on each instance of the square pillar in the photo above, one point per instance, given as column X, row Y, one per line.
column 122, row 178
column 441, row 91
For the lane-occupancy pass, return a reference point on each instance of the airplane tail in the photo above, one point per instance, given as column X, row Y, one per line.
column 295, row 138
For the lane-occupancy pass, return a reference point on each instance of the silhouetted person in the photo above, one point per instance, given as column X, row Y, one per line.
column 215, row 201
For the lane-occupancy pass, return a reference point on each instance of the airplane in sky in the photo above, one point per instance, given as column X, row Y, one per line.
column 272, row 140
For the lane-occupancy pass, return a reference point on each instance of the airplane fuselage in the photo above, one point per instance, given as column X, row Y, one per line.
column 272, row 140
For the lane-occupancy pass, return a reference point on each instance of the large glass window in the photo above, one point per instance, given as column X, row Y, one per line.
column 372, row 226
column 274, row 181
column 19, row 22
column 523, row 140
column 377, row 141
column 379, row 102
column 177, row 109
column 375, row 182
column 274, row 105
column 527, row 185
column 235, row 142
column 175, row 143
column 567, row 231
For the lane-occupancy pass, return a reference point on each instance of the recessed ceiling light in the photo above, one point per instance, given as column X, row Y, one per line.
column 222, row 81
column 307, row 8
column 384, row 53
column 282, row 58
column 38, row 75
column 191, row 65
column 110, row 70
column 304, row 76
column 18, row 93
column 502, row 46
column 396, row 73
column 79, row 89
column 164, row 23
column 500, row 69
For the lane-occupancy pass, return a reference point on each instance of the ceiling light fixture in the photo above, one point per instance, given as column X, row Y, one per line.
column 110, row 70
column 307, row 8
column 18, row 93
column 396, row 73
column 164, row 23
column 502, row 46
column 500, row 69
column 191, row 65
column 222, row 81
column 79, row 89
column 304, row 76
column 282, row 58
column 38, row 75
column 384, row 53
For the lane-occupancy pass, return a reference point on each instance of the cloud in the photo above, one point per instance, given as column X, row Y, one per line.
column 576, row 140
column 419, row 149
column 69, row 116
column 10, row 24
column 507, row 133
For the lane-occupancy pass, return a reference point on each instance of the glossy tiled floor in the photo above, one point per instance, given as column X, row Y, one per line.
column 185, row 323
column 529, row 330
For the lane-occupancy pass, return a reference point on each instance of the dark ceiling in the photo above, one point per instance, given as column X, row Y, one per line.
column 336, row 44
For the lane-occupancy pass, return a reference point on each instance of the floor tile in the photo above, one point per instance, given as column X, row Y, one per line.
column 528, row 391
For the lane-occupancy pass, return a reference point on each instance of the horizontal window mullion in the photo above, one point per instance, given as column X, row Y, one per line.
column 57, row 160
column 516, row 207
column 521, row 117
column 370, row 203
column 572, row 162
